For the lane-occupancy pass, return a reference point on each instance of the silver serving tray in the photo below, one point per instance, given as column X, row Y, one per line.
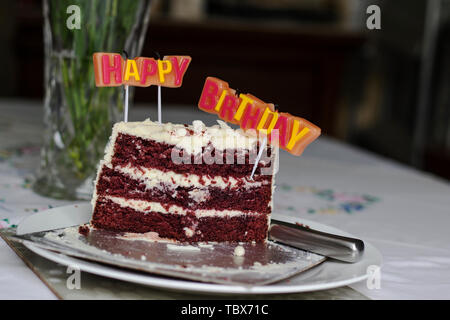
column 261, row 264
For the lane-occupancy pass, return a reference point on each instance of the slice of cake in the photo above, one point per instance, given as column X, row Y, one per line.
column 187, row 183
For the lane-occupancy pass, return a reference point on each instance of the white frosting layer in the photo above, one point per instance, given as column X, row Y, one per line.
column 199, row 195
column 153, row 177
column 148, row 206
column 221, row 136
column 188, row 232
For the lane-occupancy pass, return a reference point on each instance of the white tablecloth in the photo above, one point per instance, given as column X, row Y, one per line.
column 403, row 212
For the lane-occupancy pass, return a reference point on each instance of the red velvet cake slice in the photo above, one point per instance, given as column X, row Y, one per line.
column 187, row 183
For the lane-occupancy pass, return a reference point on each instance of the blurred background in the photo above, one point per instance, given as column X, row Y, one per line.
column 385, row 90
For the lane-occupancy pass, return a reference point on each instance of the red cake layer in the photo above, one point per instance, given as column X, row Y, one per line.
column 151, row 154
column 110, row 216
column 116, row 184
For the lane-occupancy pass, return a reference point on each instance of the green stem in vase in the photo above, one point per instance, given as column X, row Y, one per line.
column 81, row 113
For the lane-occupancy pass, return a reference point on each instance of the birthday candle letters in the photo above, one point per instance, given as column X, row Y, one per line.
column 112, row 71
column 249, row 112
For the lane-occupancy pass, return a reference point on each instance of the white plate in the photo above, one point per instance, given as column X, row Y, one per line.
column 327, row 275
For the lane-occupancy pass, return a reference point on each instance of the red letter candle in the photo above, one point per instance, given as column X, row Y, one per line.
column 249, row 112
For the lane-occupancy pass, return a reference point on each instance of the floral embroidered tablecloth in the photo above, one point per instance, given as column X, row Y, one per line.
column 403, row 212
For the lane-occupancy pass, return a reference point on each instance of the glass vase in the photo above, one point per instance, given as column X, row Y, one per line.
column 78, row 116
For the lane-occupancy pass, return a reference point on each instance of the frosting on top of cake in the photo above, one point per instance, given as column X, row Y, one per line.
column 191, row 138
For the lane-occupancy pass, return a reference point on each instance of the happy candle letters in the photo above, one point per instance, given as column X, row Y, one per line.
column 249, row 112
column 111, row 70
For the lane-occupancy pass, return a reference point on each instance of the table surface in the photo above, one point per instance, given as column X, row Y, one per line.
column 405, row 213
